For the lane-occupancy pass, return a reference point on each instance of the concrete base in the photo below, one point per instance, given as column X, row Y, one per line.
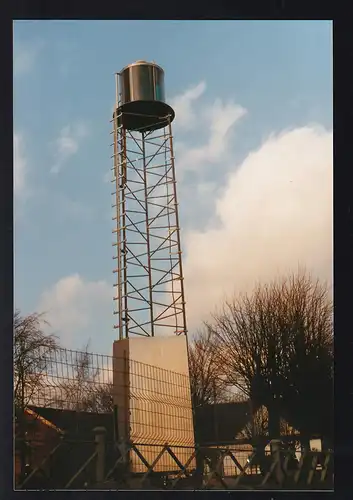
column 152, row 393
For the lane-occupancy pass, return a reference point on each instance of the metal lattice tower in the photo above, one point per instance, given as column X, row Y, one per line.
column 149, row 299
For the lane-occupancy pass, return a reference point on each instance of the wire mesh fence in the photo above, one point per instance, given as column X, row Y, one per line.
column 153, row 404
column 72, row 392
column 63, row 396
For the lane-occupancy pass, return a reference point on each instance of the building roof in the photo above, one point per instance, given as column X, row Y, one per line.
column 77, row 424
column 43, row 420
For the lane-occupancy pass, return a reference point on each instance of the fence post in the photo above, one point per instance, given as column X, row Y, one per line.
column 100, row 433
column 276, row 457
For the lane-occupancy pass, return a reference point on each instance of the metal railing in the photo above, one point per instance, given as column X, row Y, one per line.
column 193, row 468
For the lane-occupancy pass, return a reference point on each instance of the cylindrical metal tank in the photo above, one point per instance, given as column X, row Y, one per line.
column 142, row 106
column 142, row 81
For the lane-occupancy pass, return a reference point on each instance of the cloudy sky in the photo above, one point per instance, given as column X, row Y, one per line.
column 253, row 138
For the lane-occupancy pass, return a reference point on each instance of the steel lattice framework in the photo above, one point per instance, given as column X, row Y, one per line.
column 149, row 279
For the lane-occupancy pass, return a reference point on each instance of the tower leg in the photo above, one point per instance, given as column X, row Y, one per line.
column 149, row 285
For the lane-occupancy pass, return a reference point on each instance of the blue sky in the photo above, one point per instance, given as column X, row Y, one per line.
column 268, row 88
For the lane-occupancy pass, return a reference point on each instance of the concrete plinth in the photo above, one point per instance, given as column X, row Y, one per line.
column 152, row 393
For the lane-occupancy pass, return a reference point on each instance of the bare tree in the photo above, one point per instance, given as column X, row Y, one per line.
column 257, row 427
column 84, row 390
column 207, row 385
column 276, row 347
column 32, row 351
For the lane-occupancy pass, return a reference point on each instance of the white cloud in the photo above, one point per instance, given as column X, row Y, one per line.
column 67, row 144
column 216, row 120
column 205, row 189
column 20, row 165
column 25, row 56
column 274, row 214
column 183, row 106
column 221, row 118
column 73, row 304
